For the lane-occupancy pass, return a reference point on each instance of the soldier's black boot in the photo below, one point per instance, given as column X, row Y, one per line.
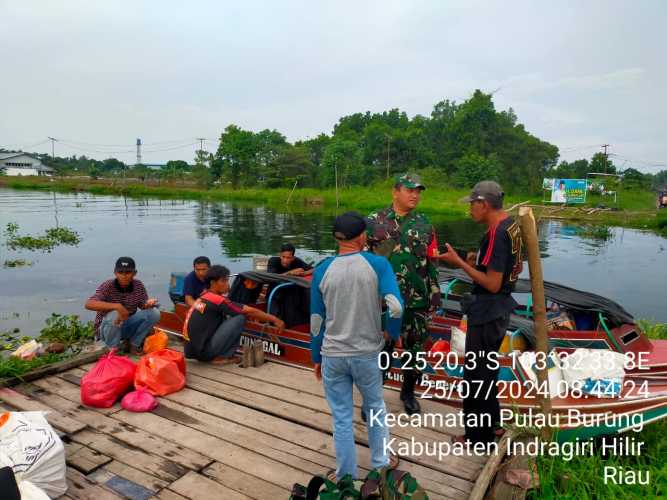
column 408, row 392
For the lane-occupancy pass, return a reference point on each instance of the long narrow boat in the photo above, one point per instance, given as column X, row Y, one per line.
column 643, row 395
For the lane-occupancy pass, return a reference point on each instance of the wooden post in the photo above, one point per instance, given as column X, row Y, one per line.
column 530, row 241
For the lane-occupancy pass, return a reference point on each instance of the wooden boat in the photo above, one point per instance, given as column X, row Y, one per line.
column 643, row 397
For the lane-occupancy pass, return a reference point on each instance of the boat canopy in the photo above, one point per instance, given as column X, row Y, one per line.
column 272, row 278
column 288, row 297
column 567, row 297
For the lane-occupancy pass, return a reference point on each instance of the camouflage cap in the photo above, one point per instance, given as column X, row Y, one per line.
column 410, row 180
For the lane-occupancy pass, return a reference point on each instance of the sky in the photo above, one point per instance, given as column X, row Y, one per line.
column 98, row 75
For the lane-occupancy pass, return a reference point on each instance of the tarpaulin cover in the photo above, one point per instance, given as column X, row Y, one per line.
column 567, row 297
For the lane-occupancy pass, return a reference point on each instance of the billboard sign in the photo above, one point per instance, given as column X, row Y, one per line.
column 565, row 190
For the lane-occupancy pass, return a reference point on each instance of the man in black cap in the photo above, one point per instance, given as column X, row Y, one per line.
column 495, row 273
column 346, row 338
column 136, row 314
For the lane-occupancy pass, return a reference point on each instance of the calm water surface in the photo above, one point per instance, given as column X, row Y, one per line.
column 626, row 265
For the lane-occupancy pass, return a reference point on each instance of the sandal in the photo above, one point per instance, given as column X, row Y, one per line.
column 331, row 476
column 394, row 460
column 220, row 360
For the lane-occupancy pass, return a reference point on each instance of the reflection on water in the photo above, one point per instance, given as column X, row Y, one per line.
column 165, row 235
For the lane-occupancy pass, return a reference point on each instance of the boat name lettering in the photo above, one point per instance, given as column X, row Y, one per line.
column 268, row 346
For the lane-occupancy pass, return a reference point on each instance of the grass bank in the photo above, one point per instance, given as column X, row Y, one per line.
column 635, row 208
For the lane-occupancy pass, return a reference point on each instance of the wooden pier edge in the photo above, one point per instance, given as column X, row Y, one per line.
column 61, row 366
column 490, row 469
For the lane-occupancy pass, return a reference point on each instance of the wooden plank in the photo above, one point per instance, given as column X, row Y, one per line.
column 443, row 485
column 195, row 486
column 167, row 494
column 135, row 475
column 63, row 396
column 258, row 442
column 244, row 483
column 308, row 438
column 318, row 402
column 84, row 459
column 490, row 468
column 311, row 444
column 303, row 380
column 458, row 466
column 123, row 452
column 55, row 418
column 79, row 487
column 220, row 450
column 211, row 446
column 51, row 369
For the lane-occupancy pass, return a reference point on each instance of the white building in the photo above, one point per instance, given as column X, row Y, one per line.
column 22, row 164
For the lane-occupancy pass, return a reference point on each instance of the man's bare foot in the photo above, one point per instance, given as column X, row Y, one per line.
column 220, row 360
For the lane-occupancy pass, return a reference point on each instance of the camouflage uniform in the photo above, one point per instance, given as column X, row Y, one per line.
column 417, row 277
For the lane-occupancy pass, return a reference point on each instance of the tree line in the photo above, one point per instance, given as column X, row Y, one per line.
column 457, row 145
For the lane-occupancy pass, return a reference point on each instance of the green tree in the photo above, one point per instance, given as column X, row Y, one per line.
column 293, row 164
column 473, row 168
column 602, row 164
column 237, row 151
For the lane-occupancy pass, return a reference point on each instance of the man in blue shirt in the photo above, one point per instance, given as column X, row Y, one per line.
column 347, row 292
column 194, row 283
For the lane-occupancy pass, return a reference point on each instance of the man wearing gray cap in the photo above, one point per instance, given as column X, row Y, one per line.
column 495, row 272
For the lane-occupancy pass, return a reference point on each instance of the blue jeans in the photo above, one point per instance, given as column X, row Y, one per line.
column 338, row 375
column 135, row 328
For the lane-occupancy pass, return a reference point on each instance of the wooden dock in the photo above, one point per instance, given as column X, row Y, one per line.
column 232, row 433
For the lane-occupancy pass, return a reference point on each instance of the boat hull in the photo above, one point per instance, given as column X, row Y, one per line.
column 643, row 399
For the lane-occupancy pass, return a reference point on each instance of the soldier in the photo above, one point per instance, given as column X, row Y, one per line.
column 407, row 239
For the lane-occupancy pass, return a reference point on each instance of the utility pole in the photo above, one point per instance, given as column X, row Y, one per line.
column 53, row 149
column 138, row 152
column 388, row 139
column 201, row 143
column 606, row 157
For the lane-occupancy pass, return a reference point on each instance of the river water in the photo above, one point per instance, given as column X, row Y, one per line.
column 626, row 265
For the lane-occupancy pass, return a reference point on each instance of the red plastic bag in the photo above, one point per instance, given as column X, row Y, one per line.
column 138, row 401
column 107, row 381
column 441, row 346
column 161, row 372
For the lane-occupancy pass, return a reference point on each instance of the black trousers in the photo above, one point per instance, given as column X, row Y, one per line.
column 482, row 393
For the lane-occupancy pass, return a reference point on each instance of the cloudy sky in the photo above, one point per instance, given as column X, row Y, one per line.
column 97, row 75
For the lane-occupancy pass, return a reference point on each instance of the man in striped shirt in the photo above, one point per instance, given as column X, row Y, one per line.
column 495, row 273
column 135, row 314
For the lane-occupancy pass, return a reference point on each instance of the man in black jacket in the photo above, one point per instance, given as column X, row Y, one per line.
column 495, row 272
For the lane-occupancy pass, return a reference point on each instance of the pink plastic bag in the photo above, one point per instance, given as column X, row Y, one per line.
column 138, row 401
column 108, row 380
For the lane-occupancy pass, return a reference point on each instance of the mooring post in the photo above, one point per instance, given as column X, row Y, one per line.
column 531, row 242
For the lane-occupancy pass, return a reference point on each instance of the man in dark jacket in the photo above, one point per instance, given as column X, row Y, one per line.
column 495, row 272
